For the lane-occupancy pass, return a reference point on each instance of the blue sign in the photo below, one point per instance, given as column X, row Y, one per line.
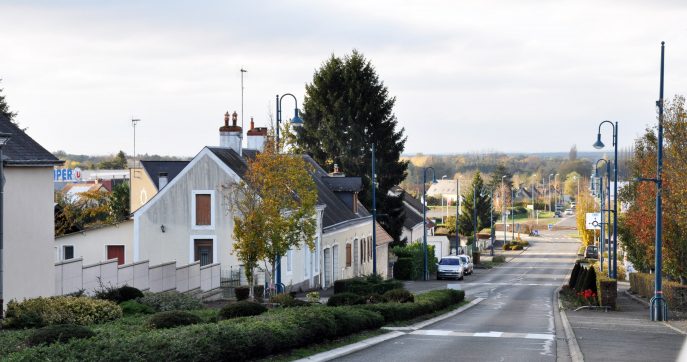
column 67, row 174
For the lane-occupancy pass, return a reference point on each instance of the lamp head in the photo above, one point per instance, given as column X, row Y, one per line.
column 598, row 144
column 296, row 121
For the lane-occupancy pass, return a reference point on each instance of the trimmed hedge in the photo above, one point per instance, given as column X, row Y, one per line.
column 365, row 286
column 40, row 312
column 340, row 299
column 606, row 291
column 242, row 293
column 173, row 300
column 498, row 259
column 399, row 296
column 425, row 303
column 241, row 309
column 58, row 333
column 172, row 318
column 133, row 307
column 238, row 339
column 675, row 294
column 403, row 269
column 118, row 295
column 415, row 252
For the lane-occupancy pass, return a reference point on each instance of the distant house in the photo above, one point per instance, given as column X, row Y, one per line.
column 445, row 189
column 28, row 217
column 150, row 178
column 413, row 225
column 73, row 191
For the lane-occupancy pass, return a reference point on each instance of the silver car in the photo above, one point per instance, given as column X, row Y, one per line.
column 450, row 267
column 467, row 264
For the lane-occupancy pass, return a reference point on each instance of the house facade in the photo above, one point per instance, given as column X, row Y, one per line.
column 27, row 217
column 99, row 244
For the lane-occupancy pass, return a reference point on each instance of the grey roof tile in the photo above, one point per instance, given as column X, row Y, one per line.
column 22, row 150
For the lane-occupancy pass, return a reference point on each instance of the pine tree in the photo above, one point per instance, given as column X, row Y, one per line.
column 5, row 108
column 476, row 197
column 347, row 108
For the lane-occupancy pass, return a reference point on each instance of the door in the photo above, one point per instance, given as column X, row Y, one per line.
column 335, row 262
column 203, row 251
column 327, row 267
column 116, row 252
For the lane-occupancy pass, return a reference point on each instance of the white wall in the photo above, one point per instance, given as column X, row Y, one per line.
column 91, row 245
column 29, row 233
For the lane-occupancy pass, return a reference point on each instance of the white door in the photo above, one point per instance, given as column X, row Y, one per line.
column 327, row 268
column 335, row 263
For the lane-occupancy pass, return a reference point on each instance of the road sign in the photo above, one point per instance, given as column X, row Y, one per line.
column 593, row 220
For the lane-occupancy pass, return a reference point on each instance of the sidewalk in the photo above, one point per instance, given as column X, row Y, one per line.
column 625, row 334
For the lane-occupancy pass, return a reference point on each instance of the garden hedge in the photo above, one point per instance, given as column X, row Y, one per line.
column 416, row 254
column 58, row 333
column 366, row 285
column 172, row 318
column 237, row 339
column 40, row 312
column 425, row 303
column 674, row 293
column 241, row 309
column 606, row 291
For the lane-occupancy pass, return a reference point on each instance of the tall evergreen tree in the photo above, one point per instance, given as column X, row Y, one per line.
column 5, row 108
column 476, row 197
column 346, row 110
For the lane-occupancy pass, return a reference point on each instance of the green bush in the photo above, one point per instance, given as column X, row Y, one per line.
column 374, row 298
column 506, row 246
column 366, row 285
column 579, row 283
column 172, row 318
column 403, row 269
column 675, row 294
column 287, row 301
column 131, row 307
column 399, row 296
column 58, row 333
column 237, row 339
column 118, row 295
column 424, row 304
column 39, row 312
column 242, row 293
column 498, row 259
column 241, row 309
column 170, row 301
column 590, row 280
column 344, row 299
column 415, row 252
column 607, row 291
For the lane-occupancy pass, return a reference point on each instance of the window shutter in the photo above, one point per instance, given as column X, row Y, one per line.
column 348, row 255
column 203, row 211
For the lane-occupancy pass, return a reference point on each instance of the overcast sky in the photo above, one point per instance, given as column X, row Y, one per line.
column 511, row 76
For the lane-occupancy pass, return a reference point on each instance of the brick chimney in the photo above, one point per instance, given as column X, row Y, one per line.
column 256, row 136
column 231, row 136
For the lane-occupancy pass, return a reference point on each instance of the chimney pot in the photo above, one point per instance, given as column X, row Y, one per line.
column 252, row 124
column 226, row 119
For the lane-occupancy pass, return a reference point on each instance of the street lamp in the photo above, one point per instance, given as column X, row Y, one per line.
column 512, row 215
column 534, row 179
column 457, row 213
column 491, row 220
column 548, row 190
column 425, row 274
column 503, row 212
column 295, row 121
column 601, row 207
column 4, row 138
column 599, row 145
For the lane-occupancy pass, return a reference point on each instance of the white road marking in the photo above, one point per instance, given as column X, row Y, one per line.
column 457, row 286
column 491, row 334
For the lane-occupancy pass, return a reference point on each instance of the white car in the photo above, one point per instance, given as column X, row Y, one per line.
column 568, row 211
column 467, row 264
column 450, row 267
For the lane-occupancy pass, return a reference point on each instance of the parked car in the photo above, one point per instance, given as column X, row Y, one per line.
column 591, row 252
column 450, row 267
column 568, row 211
column 467, row 264
column 557, row 214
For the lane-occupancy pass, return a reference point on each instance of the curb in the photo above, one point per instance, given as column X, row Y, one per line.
column 394, row 333
column 667, row 324
column 575, row 352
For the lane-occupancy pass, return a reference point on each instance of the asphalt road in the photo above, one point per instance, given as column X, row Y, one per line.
column 515, row 322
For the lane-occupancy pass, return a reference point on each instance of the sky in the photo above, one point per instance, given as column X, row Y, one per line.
column 468, row 76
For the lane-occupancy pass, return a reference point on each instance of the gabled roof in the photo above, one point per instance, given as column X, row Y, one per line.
column 343, row 184
column 231, row 159
column 22, row 150
column 154, row 168
column 412, row 206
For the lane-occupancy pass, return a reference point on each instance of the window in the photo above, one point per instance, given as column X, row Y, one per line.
column 348, row 255
column 289, row 261
column 203, row 209
column 116, row 252
column 203, row 251
column 68, row 252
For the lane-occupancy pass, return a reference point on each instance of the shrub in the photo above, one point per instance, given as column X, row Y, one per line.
column 313, row 297
column 674, row 293
column 344, row 299
column 131, row 307
column 506, row 246
column 287, row 301
column 516, row 247
column 424, row 304
column 241, row 309
column 58, row 333
column 399, row 296
column 498, row 259
column 415, row 252
column 607, row 291
column 238, row 339
column 242, row 293
column 365, row 286
column 574, row 275
column 39, row 312
column 403, row 269
column 374, row 298
column 118, row 295
column 590, row 280
column 172, row 318
column 579, row 283
column 170, row 301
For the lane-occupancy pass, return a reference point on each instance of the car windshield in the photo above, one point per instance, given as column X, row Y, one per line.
column 449, row 262
column 464, row 260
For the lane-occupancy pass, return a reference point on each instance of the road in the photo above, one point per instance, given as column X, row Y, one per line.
column 515, row 321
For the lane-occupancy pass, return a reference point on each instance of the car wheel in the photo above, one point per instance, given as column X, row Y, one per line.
column 438, row 277
column 461, row 277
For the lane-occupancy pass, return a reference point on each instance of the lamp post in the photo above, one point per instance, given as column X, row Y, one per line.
column 296, row 122
column 512, row 214
column 4, row 138
column 613, row 263
column 491, row 220
column 503, row 211
column 601, row 207
column 534, row 179
column 658, row 309
column 457, row 213
column 425, row 274
column 548, row 190
column 555, row 191
column 374, row 214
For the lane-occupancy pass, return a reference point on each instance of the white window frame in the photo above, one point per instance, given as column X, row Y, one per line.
column 212, row 210
column 192, row 247
column 62, row 252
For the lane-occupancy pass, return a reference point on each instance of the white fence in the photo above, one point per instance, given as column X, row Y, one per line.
column 72, row 276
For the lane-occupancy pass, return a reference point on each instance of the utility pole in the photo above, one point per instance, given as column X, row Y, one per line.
column 374, row 214
column 134, row 122
column 242, row 71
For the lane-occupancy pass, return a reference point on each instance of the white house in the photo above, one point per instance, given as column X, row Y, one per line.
column 27, row 217
column 98, row 244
